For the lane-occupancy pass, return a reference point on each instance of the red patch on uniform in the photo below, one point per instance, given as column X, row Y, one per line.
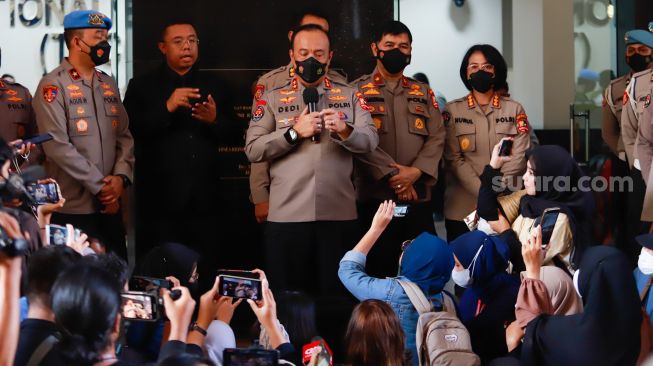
column 342, row 116
column 261, row 102
column 50, row 93
column 625, row 100
column 327, row 83
column 363, row 102
column 294, row 84
column 259, row 91
column 522, row 123
column 647, row 101
column 74, row 74
column 419, row 109
column 404, row 82
column 258, row 113
column 433, row 100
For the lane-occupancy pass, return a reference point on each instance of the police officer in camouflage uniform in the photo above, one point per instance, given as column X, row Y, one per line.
column 91, row 155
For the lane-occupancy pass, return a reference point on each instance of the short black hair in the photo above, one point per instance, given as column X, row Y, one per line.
column 175, row 21
column 44, row 267
column 69, row 34
column 6, row 151
column 111, row 263
column 493, row 57
column 393, row 27
column 299, row 16
column 307, row 28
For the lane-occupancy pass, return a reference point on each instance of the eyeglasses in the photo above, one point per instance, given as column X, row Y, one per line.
column 641, row 49
column 485, row 67
column 406, row 244
column 180, row 42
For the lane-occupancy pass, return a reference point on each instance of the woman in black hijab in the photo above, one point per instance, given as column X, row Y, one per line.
column 608, row 330
column 553, row 179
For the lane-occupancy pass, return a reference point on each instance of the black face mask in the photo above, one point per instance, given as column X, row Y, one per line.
column 481, row 81
column 393, row 60
column 310, row 70
column 638, row 62
column 100, row 52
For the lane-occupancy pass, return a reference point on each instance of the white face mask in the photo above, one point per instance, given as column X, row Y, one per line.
column 645, row 262
column 485, row 227
column 576, row 276
column 464, row 278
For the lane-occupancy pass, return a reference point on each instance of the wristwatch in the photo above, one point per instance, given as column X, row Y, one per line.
column 196, row 327
column 291, row 136
column 125, row 181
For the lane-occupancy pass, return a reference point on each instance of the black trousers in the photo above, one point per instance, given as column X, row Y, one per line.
column 383, row 260
column 635, row 224
column 620, row 200
column 109, row 229
column 305, row 255
column 455, row 229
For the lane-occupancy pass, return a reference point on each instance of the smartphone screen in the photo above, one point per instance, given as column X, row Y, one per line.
column 56, row 235
column 506, row 148
column 549, row 219
column 247, row 357
column 240, row 287
column 43, row 193
column 138, row 306
column 400, row 210
column 148, row 284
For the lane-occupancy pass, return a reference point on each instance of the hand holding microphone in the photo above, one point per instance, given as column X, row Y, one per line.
column 309, row 124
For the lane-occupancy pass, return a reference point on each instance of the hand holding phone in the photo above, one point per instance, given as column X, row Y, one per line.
column 547, row 222
column 506, row 148
column 44, row 193
column 240, row 287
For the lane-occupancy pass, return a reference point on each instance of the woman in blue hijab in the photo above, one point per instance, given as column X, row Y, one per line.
column 488, row 303
column 426, row 261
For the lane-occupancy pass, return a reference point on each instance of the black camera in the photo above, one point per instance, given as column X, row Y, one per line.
column 12, row 247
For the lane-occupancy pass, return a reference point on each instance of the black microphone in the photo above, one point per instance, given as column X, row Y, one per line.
column 310, row 99
column 14, row 186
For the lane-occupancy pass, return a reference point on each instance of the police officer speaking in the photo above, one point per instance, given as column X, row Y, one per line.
column 91, row 155
column 312, row 205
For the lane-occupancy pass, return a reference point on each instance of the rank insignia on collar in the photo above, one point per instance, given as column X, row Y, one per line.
column 327, row 83
column 291, row 72
column 50, row 93
column 496, row 101
column 74, row 74
column 404, row 82
column 294, row 84
column 470, row 101
column 433, row 100
column 378, row 80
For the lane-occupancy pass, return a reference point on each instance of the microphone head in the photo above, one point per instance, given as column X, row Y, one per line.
column 310, row 95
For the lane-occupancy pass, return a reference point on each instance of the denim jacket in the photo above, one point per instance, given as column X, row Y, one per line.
column 364, row 287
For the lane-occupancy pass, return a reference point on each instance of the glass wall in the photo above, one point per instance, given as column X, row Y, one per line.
column 32, row 37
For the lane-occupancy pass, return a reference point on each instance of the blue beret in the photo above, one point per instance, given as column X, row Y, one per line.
column 82, row 19
column 639, row 36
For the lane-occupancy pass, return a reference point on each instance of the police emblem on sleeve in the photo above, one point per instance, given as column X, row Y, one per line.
column 522, row 123
column 258, row 113
column 363, row 102
column 647, row 101
column 50, row 93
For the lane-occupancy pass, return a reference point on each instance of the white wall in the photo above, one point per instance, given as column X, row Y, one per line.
column 21, row 45
column 442, row 33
